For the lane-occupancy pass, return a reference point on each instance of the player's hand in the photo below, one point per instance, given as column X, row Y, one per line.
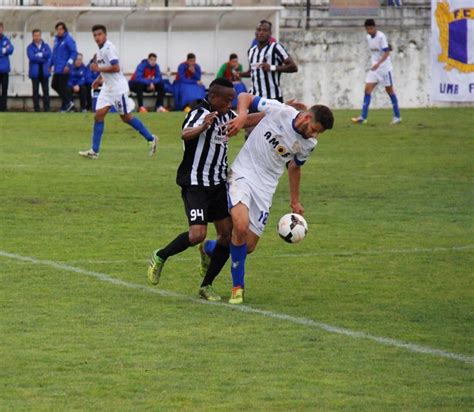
column 265, row 67
column 96, row 84
column 94, row 67
column 199, row 82
column 208, row 120
column 76, row 89
column 151, row 87
column 297, row 207
column 66, row 70
column 235, row 125
column 296, row 104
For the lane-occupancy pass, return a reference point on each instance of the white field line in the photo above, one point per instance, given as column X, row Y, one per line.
column 410, row 347
column 342, row 253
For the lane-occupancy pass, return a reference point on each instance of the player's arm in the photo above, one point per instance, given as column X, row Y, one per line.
column 382, row 59
column 245, row 74
column 190, row 133
column 253, row 119
column 245, row 101
column 294, row 178
column 288, row 66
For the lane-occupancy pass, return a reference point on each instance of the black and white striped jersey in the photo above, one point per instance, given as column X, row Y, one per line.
column 266, row 84
column 205, row 157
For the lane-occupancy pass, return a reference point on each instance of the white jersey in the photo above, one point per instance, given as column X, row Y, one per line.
column 271, row 145
column 115, row 83
column 378, row 45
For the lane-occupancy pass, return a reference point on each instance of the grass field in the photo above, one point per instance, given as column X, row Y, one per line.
column 389, row 253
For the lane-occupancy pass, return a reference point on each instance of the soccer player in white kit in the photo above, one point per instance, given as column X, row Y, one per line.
column 284, row 138
column 114, row 92
column 380, row 72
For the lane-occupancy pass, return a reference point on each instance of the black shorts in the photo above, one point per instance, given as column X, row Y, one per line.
column 204, row 204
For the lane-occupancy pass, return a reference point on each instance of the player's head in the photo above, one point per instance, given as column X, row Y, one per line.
column 60, row 28
column 78, row 60
column 263, row 32
column 370, row 27
column 315, row 121
column 99, row 31
column 1, row 28
column 152, row 59
column 191, row 59
column 36, row 35
column 221, row 95
column 234, row 60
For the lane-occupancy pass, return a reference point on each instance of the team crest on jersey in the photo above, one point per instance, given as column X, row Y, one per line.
column 456, row 32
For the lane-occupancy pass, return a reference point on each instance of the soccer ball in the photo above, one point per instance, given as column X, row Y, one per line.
column 292, row 228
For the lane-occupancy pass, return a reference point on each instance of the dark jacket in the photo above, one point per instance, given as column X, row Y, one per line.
column 146, row 74
column 64, row 52
column 39, row 57
column 6, row 49
column 185, row 76
column 77, row 76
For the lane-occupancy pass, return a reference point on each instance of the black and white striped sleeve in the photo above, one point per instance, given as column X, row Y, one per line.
column 281, row 52
column 195, row 118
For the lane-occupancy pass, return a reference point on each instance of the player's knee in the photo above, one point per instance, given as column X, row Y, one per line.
column 241, row 230
column 224, row 238
column 197, row 236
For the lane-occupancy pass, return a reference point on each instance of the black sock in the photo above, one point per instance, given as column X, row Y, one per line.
column 218, row 259
column 178, row 245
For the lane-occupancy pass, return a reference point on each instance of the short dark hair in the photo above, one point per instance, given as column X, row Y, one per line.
column 190, row 56
column 221, row 81
column 97, row 27
column 369, row 23
column 233, row 56
column 152, row 55
column 323, row 115
column 35, row 31
column 61, row 24
column 266, row 22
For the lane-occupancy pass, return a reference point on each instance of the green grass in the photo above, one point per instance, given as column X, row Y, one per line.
column 389, row 252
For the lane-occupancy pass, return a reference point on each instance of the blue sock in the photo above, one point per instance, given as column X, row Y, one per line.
column 365, row 107
column 140, row 127
column 209, row 246
column 396, row 110
column 238, row 255
column 97, row 136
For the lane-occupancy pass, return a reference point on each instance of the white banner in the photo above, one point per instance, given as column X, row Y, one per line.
column 452, row 50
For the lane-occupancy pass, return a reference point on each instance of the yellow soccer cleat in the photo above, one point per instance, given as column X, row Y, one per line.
column 154, row 268
column 205, row 260
column 237, row 296
column 208, row 293
column 359, row 120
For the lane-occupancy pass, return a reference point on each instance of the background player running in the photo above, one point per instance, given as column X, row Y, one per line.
column 380, row 72
column 284, row 138
column 114, row 93
column 202, row 176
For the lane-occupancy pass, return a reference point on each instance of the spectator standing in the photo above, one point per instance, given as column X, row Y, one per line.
column 6, row 50
column 39, row 55
column 64, row 54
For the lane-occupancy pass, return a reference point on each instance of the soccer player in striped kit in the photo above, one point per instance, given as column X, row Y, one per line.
column 267, row 61
column 380, row 72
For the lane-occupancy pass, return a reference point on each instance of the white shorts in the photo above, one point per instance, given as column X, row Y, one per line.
column 380, row 76
column 122, row 102
column 239, row 189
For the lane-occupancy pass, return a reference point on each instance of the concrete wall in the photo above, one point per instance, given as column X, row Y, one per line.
column 333, row 64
